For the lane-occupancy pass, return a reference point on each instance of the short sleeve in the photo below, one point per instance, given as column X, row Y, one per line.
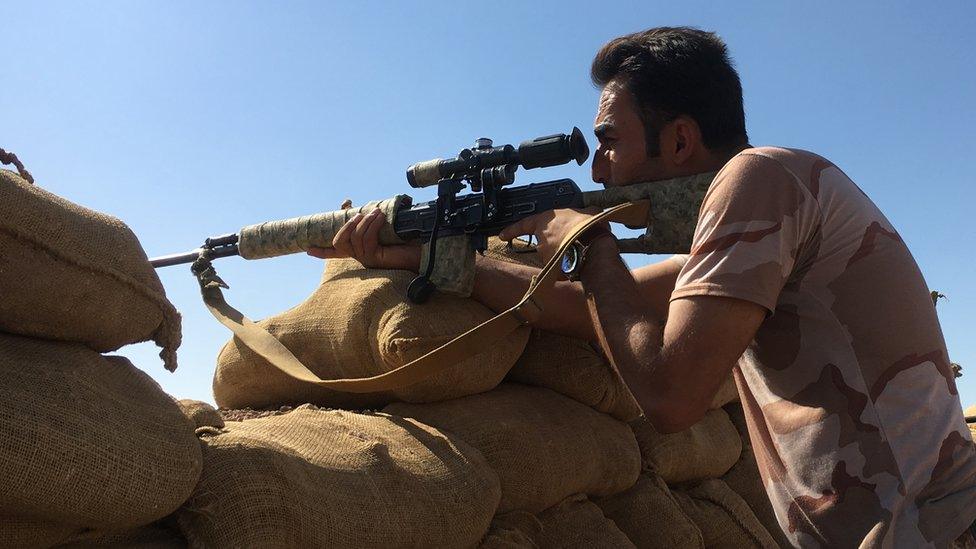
column 680, row 259
column 755, row 219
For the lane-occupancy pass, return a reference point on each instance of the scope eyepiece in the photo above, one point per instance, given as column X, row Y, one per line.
column 554, row 150
column 541, row 152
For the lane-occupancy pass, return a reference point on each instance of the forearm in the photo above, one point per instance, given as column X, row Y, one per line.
column 630, row 336
column 499, row 285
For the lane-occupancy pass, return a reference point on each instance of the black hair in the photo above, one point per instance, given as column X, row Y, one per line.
column 675, row 71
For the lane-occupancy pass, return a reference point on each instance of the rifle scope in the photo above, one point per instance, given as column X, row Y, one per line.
column 541, row 152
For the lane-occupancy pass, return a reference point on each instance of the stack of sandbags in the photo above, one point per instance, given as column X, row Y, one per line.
column 358, row 323
column 327, row 478
column 545, row 447
column 548, row 416
column 698, row 488
column 68, row 273
column 680, row 499
column 93, row 449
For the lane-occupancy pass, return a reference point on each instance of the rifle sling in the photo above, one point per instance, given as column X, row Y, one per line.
column 470, row 343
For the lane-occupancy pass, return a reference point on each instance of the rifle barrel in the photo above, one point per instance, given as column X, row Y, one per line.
column 190, row 257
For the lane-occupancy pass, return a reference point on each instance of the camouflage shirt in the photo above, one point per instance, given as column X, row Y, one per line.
column 849, row 396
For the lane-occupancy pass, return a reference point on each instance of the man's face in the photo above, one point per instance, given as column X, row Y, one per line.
column 621, row 159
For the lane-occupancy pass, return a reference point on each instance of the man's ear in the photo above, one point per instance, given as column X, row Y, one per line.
column 685, row 139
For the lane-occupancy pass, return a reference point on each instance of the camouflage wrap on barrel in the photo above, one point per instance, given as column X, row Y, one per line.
column 453, row 271
column 289, row 236
column 673, row 214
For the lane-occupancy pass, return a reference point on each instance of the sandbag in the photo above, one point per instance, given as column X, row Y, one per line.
column 576, row 523
column 89, row 441
column 200, row 413
column 544, row 446
column 650, row 517
column 725, row 521
column 727, row 394
column 68, row 273
column 738, row 418
column 744, row 480
column 568, row 365
column 514, row 530
column 152, row 536
column 572, row 367
column 26, row 534
column 708, row 449
column 21, row 533
column 358, row 323
column 320, row 478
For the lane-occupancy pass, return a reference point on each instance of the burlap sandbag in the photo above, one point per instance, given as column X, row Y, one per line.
column 72, row 274
column 21, row 533
column 744, row 480
column 318, row 478
column 568, row 365
column 572, row 367
column 200, row 413
column 543, row 445
column 649, row 515
column 513, row 530
column 707, row 449
column 89, row 441
column 725, row 521
column 28, row 534
column 576, row 523
column 358, row 323
column 727, row 394
column 151, row 536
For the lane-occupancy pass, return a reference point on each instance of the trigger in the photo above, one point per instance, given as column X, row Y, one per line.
column 529, row 247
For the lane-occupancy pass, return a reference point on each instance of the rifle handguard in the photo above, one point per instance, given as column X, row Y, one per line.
column 298, row 234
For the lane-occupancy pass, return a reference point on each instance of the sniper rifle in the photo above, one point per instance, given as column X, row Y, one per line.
column 454, row 227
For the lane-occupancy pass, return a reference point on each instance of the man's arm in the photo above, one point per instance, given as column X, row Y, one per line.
column 673, row 375
column 499, row 285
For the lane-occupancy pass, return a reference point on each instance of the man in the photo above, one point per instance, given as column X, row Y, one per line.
column 850, row 400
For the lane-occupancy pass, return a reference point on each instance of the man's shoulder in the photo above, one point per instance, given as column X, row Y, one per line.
column 804, row 167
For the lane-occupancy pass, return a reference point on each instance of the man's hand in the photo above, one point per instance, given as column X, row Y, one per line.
column 549, row 228
column 359, row 239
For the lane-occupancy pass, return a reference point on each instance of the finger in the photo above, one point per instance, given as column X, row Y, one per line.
column 371, row 237
column 346, row 204
column 341, row 239
column 524, row 226
column 358, row 245
column 325, row 253
column 519, row 228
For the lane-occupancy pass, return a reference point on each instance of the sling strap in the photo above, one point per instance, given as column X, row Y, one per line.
column 470, row 343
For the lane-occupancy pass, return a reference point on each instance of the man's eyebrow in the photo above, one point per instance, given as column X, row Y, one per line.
column 602, row 129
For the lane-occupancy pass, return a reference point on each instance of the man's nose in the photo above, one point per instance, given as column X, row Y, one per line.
column 600, row 169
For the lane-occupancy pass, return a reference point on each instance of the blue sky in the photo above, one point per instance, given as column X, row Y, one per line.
column 192, row 119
